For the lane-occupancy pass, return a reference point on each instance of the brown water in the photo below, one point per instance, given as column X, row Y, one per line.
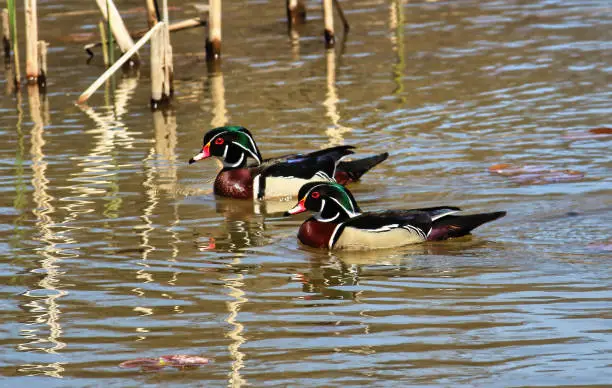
column 106, row 230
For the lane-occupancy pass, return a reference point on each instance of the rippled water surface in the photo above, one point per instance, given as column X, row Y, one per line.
column 114, row 248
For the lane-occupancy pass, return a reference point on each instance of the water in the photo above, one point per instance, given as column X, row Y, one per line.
column 108, row 234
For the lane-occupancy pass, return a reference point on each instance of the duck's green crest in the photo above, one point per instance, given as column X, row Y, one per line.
column 346, row 200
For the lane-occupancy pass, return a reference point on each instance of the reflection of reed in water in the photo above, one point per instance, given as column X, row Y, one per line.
column 396, row 25
column 100, row 164
column 165, row 166
column 20, row 201
column 243, row 227
column 325, row 275
column 44, row 301
column 235, row 284
column 335, row 131
column 160, row 176
column 217, row 91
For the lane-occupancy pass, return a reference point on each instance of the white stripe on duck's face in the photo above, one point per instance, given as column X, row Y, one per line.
column 364, row 239
column 234, row 148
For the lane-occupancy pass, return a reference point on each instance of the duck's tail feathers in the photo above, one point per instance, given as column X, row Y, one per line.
column 456, row 226
column 351, row 171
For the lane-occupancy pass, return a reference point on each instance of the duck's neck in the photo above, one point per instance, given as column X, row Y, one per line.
column 333, row 212
column 234, row 158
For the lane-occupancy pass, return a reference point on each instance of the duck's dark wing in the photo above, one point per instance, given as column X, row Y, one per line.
column 336, row 153
column 438, row 211
column 321, row 168
column 389, row 219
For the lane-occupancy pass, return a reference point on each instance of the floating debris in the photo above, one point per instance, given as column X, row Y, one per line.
column 603, row 245
column 534, row 175
column 210, row 246
column 594, row 133
column 179, row 361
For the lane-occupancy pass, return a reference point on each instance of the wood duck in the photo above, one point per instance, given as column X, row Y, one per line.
column 339, row 223
column 276, row 177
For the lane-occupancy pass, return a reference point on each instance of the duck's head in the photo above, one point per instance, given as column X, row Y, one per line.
column 330, row 202
column 232, row 144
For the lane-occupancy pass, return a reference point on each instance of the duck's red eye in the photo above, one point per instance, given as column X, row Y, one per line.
column 219, row 141
column 315, row 195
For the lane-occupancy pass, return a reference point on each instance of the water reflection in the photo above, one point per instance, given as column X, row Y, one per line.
column 217, row 91
column 335, row 131
column 396, row 25
column 324, row 277
column 239, row 236
column 235, row 283
column 99, row 167
column 43, row 301
column 20, row 201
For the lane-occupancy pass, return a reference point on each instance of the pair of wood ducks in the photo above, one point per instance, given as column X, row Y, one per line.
column 317, row 179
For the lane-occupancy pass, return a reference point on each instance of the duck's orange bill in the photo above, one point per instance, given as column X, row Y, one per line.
column 299, row 208
column 205, row 153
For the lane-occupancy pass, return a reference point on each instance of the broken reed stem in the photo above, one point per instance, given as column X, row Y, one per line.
column 164, row 15
column 168, row 65
column 151, row 14
column 213, row 41
column 296, row 12
column 328, row 15
column 13, row 23
column 161, row 69
column 120, row 32
column 6, row 35
column 157, row 72
column 104, row 43
column 31, row 24
column 124, row 58
column 42, row 63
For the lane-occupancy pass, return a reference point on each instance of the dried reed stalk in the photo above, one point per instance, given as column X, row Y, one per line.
column 213, row 41
column 120, row 32
column 296, row 12
column 151, row 13
column 31, row 24
column 328, row 15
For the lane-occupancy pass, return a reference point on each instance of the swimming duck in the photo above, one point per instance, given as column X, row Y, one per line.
column 275, row 177
column 339, row 223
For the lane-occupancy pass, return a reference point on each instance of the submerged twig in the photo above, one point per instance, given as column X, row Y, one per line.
column 342, row 17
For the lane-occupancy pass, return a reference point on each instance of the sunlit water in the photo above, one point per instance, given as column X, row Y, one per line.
column 114, row 248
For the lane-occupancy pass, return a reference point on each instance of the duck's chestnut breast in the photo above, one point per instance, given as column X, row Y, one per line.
column 315, row 233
